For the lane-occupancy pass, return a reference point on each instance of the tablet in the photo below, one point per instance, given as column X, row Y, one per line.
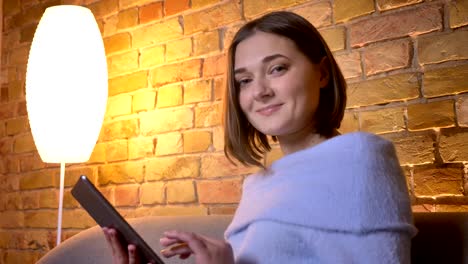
column 106, row 216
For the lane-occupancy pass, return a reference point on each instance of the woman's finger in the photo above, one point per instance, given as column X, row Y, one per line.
column 194, row 242
column 165, row 241
column 119, row 252
column 180, row 249
column 132, row 254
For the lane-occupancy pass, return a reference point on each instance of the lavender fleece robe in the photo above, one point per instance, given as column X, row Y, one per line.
column 342, row 201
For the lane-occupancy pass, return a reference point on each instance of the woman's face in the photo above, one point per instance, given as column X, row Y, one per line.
column 279, row 86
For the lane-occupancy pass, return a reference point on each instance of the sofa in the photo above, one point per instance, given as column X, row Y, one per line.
column 442, row 238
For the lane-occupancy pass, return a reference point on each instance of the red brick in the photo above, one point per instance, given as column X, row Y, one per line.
column 140, row 148
column 426, row 116
column 404, row 23
column 208, row 115
column 196, row 141
column 129, row 172
column 203, row 3
column 151, row 12
column 206, row 43
column 39, row 179
column 127, row 195
column 172, row 168
column 212, row 18
column 344, row 10
column 27, row 33
column 40, row 219
column 11, row 7
column 451, row 208
column 392, row 4
column 132, row 3
column 31, row 162
column 446, row 81
column 432, row 181
column 169, row 143
column 117, row 150
column 383, row 90
column 183, row 71
column 152, row 56
column 217, row 165
column 219, row 86
column 254, row 8
column 20, row 109
column 77, row 219
column 443, row 47
column 458, row 13
column 169, row 95
column 350, row 64
column 119, row 105
column 163, row 120
column 219, row 191
column 388, row 56
column 178, row 49
column 319, row 14
column 24, row 143
column 121, row 129
column 214, row 66
column 335, row 38
column 172, row 7
column 21, row 256
column 73, row 173
column 12, row 219
column 7, row 111
column 152, row 193
column 19, row 56
column 128, row 83
column 127, row 18
column 118, row 42
column 222, row 209
column 413, row 148
column 104, row 8
column 181, row 192
column 156, row 33
column 197, row 91
column 122, row 63
column 423, row 208
column 453, row 146
column 462, row 111
column 383, row 120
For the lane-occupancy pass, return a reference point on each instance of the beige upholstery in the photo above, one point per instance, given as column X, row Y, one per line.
column 442, row 238
column 90, row 246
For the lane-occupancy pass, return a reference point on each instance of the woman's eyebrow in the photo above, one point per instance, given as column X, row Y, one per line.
column 264, row 60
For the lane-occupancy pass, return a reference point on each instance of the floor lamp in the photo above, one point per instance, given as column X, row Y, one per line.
column 66, row 88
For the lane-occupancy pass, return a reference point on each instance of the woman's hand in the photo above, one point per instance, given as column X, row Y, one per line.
column 206, row 250
column 120, row 254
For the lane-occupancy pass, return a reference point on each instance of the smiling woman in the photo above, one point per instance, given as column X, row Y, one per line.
column 284, row 83
column 285, row 57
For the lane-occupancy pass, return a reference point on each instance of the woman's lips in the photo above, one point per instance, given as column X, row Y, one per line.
column 269, row 110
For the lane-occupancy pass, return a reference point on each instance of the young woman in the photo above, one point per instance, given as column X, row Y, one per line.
column 332, row 198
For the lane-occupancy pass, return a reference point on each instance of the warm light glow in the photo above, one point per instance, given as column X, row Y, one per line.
column 66, row 84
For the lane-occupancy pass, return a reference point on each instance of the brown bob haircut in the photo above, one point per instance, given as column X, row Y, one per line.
column 244, row 142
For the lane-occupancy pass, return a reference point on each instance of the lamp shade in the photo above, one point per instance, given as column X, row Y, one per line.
column 66, row 84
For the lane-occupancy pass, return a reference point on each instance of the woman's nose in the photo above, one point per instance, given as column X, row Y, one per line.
column 262, row 90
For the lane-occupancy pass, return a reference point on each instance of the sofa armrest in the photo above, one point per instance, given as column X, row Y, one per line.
column 90, row 245
column 441, row 238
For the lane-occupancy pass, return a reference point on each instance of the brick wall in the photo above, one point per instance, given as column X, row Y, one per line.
column 160, row 149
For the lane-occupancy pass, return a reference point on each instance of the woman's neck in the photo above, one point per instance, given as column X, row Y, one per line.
column 301, row 140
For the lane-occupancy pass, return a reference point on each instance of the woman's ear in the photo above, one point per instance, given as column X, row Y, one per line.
column 324, row 68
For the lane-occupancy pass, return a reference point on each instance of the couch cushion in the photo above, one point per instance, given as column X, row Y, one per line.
column 441, row 238
column 90, row 245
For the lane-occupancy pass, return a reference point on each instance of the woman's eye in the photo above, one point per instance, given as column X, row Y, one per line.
column 278, row 68
column 243, row 82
